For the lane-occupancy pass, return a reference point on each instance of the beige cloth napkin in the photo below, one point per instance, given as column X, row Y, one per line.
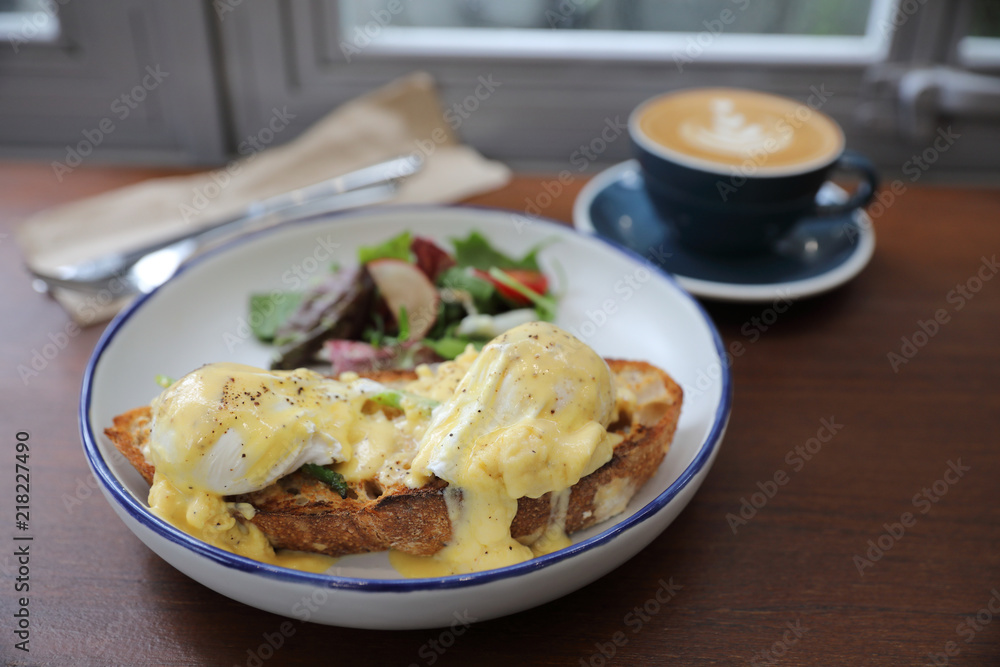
column 402, row 118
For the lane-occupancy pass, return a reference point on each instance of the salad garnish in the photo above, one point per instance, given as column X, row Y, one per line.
column 408, row 301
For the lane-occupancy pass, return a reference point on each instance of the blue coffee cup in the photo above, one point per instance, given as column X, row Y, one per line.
column 733, row 171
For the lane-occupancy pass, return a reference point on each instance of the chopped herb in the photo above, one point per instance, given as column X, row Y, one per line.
column 164, row 381
column 331, row 478
column 394, row 399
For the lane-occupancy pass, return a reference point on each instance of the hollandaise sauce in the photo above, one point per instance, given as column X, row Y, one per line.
column 209, row 518
column 529, row 417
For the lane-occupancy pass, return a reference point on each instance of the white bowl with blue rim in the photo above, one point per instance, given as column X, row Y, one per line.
column 619, row 303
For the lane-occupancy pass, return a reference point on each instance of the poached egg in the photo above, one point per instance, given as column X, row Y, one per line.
column 529, row 417
column 228, row 429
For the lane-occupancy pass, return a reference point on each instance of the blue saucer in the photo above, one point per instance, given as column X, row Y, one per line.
column 818, row 255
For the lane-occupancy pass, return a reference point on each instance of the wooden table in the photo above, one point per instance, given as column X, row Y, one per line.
column 880, row 548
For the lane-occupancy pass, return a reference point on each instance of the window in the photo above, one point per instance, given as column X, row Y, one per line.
column 891, row 71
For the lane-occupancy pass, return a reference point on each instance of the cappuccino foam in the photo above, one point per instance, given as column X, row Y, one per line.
column 728, row 127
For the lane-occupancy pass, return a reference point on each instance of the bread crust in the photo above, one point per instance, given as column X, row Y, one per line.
column 299, row 512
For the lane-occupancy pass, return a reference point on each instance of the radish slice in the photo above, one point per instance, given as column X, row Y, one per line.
column 403, row 285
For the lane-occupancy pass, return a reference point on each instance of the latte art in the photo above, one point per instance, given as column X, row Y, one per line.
column 729, row 132
column 721, row 128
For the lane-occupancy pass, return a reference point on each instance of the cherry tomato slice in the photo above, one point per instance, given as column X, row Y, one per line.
column 533, row 280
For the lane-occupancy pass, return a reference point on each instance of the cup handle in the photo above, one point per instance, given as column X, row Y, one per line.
column 854, row 162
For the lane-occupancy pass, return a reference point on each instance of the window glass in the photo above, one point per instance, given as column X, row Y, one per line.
column 982, row 46
column 788, row 17
column 985, row 20
column 27, row 21
column 787, row 31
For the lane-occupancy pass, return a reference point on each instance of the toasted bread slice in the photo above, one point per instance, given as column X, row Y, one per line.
column 299, row 512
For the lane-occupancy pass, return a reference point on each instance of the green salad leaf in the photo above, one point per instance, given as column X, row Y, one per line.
column 269, row 311
column 398, row 247
column 458, row 278
column 476, row 251
column 449, row 347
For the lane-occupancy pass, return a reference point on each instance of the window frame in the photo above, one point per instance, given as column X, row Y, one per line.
column 552, row 106
column 239, row 61
column 608, row 45
column 56, row 92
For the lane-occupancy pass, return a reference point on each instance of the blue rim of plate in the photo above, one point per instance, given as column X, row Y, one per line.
column 722, row 290
column 142, row 515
